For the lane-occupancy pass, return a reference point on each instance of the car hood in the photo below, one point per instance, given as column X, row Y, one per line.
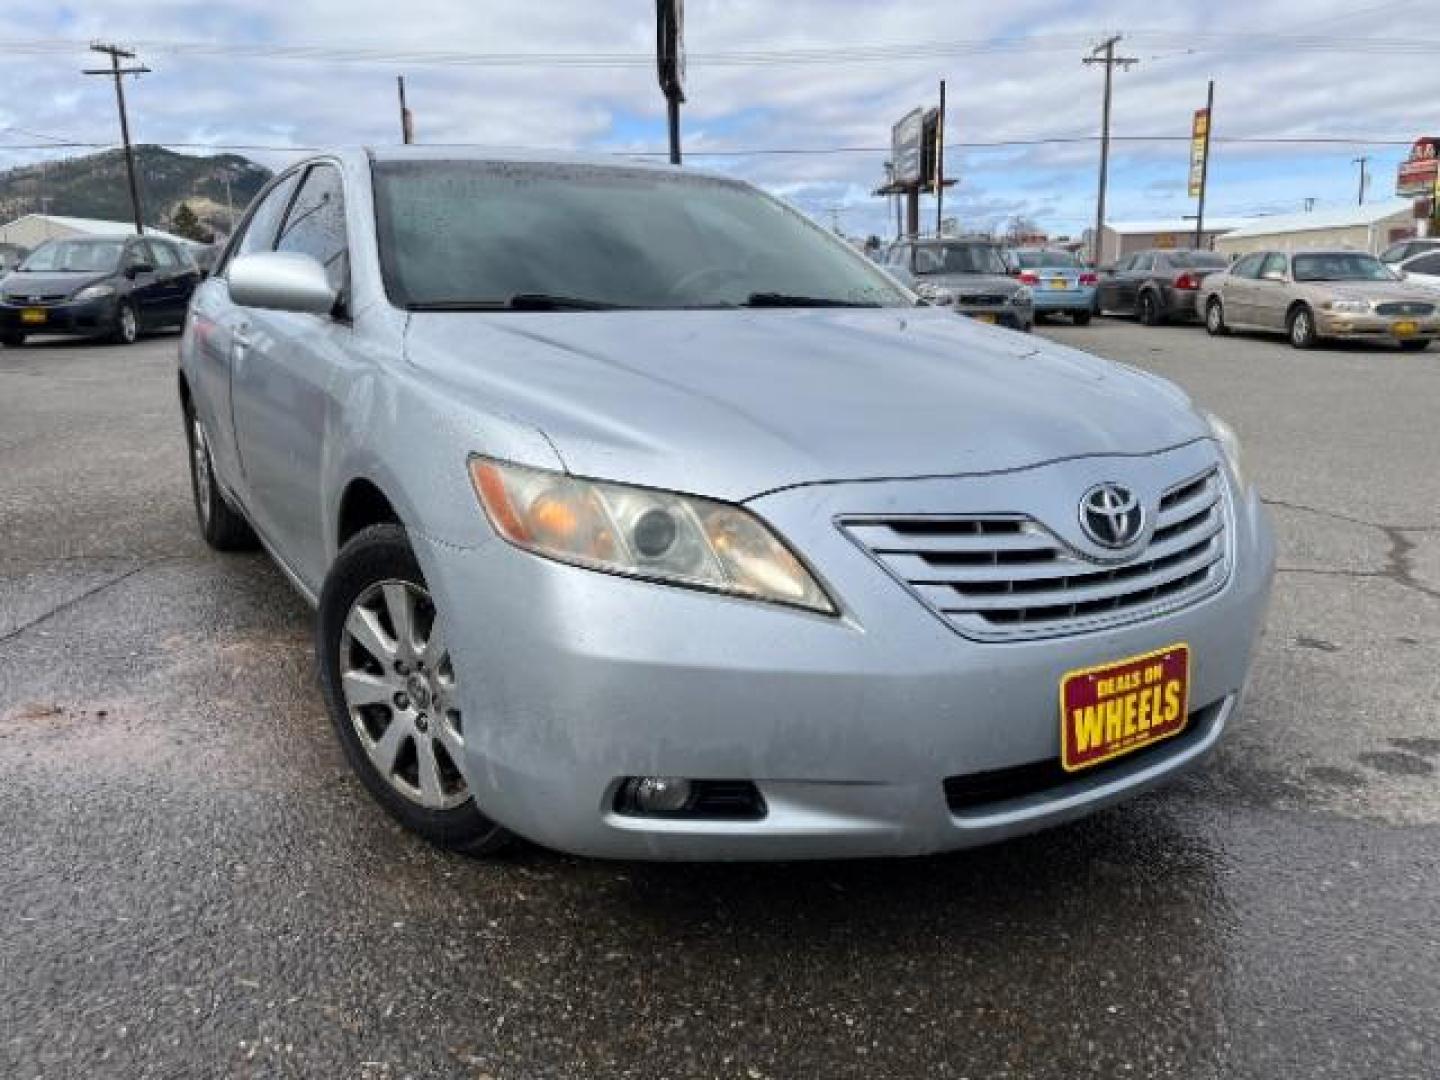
column 48, row 283
column 732, row 404
column 971, row 282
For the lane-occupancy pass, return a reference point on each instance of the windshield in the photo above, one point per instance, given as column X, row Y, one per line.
column 1196, row 260
column 1340, row 266
column 1044, row 260
column 94, row 256
column 458, row 234
column 958, row 259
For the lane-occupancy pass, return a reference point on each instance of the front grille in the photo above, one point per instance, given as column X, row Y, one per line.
column 26, row 300
column 971, row 792
column 980, row 299
column 1405, row 307
column 1003, row 576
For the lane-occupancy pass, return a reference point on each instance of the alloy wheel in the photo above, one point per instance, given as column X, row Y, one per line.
column 400, row 693
column 1214, row 317
column 129, row 327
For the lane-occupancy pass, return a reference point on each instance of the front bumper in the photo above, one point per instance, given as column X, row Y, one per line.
column 1335, row 325
column 89, row 317
column 572, row 680
column 1014, row 316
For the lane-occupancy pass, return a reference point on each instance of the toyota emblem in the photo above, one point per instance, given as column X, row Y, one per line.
column 1111, row 515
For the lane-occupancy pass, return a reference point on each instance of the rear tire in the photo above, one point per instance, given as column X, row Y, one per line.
column 1080, row 318
column 1215, row 318
column 1301, row 327
column 1149, row 309
column 223, row 528
column 390, row 698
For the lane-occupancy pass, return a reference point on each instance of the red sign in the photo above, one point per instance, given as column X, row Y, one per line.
column 1417, row 176
column 1120, row 707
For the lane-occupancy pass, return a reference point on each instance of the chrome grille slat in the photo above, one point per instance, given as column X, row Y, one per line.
column 1006, row 576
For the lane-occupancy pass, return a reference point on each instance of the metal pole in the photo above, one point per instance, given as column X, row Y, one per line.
column 940, row 160
column 1360, row 201
column 118, row 73
column 1205, row 166
column 407, row 123
column 1109, row 60
column 672, row 106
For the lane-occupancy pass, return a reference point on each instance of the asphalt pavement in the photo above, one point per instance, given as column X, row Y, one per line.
column 194, row 885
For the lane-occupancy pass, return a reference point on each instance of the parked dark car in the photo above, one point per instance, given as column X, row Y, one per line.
column 115, row 288
column 1156, row 286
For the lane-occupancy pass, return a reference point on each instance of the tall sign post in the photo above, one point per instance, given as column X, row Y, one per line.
column 940, row 162
column 915, row 168
column 1200, row 161
column 670, row 64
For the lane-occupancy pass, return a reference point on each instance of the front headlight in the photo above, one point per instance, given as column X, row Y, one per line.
column 94, row 292
column 1023, row 295
column 643, row 533
column 1347, row 307
column 1230, row 447
column 934, row 293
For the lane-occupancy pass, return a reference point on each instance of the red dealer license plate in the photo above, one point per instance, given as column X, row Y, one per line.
column 1120, row 707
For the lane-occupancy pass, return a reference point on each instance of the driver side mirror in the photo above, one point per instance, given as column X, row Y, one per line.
column 281, row 281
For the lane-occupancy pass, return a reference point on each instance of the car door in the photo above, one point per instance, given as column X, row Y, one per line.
column 1237, row 290
column 169, row 305
column 1106, row 288
column 281, row 373
column 144, row 289
column 1272, row 292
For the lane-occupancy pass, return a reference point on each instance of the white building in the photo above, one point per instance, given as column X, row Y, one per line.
column 1369, row 228
column 1126, row 237
column 32, row 230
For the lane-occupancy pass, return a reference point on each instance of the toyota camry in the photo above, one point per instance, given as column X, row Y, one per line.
column 645, row 519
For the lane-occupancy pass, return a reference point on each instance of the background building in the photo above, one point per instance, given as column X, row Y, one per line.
column 1364, row 228
column 32, row 230
column 1123, row 237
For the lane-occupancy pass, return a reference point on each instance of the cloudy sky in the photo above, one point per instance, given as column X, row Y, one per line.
column 767, row 76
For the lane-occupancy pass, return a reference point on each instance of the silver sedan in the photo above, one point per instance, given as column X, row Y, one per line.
column 646, row 519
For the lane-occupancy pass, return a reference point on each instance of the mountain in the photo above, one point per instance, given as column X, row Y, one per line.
column 94, row 186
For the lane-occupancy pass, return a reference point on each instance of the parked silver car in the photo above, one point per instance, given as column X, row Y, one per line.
column 1312, row 295
column 646, row 519
column 969, row 276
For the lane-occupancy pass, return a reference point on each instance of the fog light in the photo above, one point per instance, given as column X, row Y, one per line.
column 661, row 794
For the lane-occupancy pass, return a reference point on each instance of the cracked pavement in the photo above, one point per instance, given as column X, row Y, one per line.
column 194, row 884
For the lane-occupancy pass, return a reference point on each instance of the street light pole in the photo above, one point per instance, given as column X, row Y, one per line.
column 117, row 72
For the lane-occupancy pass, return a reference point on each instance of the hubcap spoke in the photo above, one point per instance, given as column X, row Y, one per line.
column 454, row 742
column 364, row 626
column 362, row 688
column 431, row 790
column 435, row 650
column 384, row 750
column 400, row 606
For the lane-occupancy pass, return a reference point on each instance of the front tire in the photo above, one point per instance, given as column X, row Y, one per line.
column 126, row 330
column 1215, row 318
column 392, row 691
column 1080, row 318
column 1415, row 346
column 1301, row 327
column 222, row 526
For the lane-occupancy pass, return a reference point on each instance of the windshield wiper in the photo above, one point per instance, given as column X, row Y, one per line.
column 785, row 300
column 519, row 302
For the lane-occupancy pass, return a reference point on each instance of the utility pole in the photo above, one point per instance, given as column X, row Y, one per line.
column 407, row 121
column 1205, row 167
column 940, row 160
column 1361, row 161
column 1109, row 59
column 117, row 73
